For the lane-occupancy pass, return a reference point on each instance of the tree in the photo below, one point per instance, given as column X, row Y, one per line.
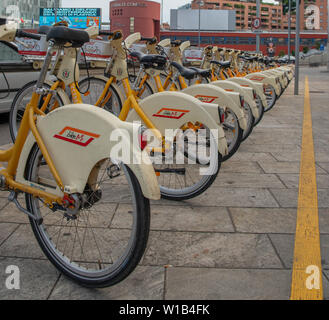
column 285, row 6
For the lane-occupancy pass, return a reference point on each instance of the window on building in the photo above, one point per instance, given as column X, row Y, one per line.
column 132, row 25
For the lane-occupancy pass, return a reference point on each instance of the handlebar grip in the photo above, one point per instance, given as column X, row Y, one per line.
column 150, row 40
column 105, row 33
column 23, row 34
column 117, row 35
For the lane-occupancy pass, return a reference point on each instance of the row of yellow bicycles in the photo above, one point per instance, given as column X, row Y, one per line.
column 89, row 154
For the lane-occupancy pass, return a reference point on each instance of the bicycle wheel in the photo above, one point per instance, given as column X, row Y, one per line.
column 146, row 90
column 250, row 120
column 112, row 99
column 18, row 106
column 233, row 133
column 260, row 109
column 193, row 168
column 270, row 97
column 102, row 242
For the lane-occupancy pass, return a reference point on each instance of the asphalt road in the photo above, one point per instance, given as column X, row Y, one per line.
column 4, row 129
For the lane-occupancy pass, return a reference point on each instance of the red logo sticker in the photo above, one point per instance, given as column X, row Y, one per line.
column 205, row 99
column 256, row 78
column 170, row 113
column 76, row 136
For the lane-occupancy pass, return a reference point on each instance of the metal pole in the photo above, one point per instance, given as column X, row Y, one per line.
column 161, row 18
column 297, row 48
column 56, row 7
column 289, row 30
column 328, row 35
column 199, row 24
column 258, row 35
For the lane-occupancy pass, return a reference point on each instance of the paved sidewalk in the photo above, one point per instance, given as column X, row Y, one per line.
column 235, row 241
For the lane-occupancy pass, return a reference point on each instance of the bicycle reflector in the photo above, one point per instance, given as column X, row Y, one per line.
column 221, row 114
column 254, row 94
column 142, row 137
column 241, row 100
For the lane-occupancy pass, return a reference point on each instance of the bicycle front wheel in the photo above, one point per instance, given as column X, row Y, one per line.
column 93, row 88
column 102, row 242
column 20, row 101
column 260, row 109
column 250, row 120
column 194, row 165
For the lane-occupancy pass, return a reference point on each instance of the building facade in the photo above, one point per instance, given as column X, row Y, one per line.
column 132, row 16
column 187, row 19
column 272, row 17
column 26, row 11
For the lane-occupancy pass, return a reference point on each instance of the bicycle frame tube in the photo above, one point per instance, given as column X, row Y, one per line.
column 12, row 155
column 132, row 103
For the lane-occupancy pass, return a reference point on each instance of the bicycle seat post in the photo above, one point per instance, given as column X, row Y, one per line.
column 44, row 69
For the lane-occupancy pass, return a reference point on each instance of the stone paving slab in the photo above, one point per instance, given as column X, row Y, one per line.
column 183, row 218
column 145, row 283
column 224, row 250
column 37, row 279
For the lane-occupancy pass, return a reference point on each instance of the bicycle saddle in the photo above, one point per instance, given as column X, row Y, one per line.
column 205, row 73
column 154, row 61
column 176, row 43
column 62, row 35
column 185, row 72
column 223, row 64
column 44, row 29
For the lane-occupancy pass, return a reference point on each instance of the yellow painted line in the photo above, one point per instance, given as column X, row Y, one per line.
column 307, row 270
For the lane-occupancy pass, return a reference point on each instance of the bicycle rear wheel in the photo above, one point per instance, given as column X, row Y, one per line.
column 102, row 242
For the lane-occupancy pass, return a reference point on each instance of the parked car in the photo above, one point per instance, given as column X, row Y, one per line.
column 16, row 71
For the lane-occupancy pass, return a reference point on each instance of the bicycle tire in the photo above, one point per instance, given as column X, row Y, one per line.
column 250, row 121
column 261, row 110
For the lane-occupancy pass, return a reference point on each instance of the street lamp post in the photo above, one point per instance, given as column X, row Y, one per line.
column 258, row 35
column 297, row 48
column 289, row 29
column 200, row 4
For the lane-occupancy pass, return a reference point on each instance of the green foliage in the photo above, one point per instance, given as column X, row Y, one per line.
column 317, row 45
column 285, row 6
column 305, row 49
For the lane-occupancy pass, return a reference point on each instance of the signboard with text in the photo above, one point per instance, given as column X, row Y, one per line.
column 77, row 18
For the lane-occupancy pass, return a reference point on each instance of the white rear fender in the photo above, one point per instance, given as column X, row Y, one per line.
column 171, row 110
column 258, row 87
column 165, row 42
column 131, row 39
column 78, row 137
column 246, row 93
column 266, row 79
column 208, row 93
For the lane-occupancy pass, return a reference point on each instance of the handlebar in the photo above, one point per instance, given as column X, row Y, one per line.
column 23, row 34
column 150, row 40
column 105, row 33
column 115, row 35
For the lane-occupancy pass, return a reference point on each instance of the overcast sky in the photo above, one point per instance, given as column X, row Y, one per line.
column 104, row 4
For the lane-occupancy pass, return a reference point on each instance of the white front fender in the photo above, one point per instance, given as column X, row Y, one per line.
column 77, row 137
column 171, row 110
column 208, row 93
column 258, row 87
column 266, row 79
column 245, row 92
